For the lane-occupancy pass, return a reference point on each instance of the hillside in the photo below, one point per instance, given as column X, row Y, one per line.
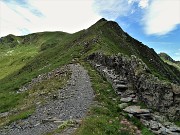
column 167, row 59
column 24, row 58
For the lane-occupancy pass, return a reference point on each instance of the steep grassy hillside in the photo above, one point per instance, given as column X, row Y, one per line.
column 41, row 52
column 13, row 59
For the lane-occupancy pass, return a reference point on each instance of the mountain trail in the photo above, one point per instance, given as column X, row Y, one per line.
column 71, row 106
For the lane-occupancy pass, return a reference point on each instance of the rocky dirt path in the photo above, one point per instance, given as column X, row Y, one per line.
column 72, row 102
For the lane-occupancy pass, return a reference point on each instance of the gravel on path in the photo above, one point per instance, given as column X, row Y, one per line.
column 72, row 102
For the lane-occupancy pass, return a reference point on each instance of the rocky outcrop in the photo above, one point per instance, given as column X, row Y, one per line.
column 157, row 124
column 130, row 77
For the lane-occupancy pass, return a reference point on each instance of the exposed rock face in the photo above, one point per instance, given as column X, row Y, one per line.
column 134, row 77
column 136, row 110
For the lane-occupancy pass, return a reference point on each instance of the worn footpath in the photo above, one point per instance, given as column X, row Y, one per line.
column 72, row 103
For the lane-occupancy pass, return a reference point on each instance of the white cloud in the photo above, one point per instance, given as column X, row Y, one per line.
column 141, row 3
column 158, row 17
column 162, row 16
column 111, row 9
column 58, row 15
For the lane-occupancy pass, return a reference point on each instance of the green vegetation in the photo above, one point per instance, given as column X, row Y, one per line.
column 38, row 94
column 104, row 117
column 167, row 59
column 144, row 129
column 31, row 55
column 104, row 112
column 61, row 127
column 177, row 123
column 24, row 58
column 21, row 115
column 13, row 59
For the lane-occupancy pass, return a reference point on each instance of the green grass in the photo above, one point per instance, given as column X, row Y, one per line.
column 13, row 59
column 27, row 100
column 61, row 127
column 172, row 64
column 27, row 62
column 144, row 129
column 10, row 100
column 45, row 51
column 99, row 125
column 104, row 117
column 22, row 115
column 98, row 120
column 177, row 123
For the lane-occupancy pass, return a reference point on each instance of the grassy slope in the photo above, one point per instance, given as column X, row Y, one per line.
column 18, row 71
column 167, row 59
column 38, row 94
column 122, row 42
column 13, row 59
column 54, row 49
column 172, row 64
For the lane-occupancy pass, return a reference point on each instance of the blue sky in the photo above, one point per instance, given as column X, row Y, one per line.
column 156, row 23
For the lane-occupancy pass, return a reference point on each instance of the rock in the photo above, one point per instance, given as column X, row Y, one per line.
column 119, row 93
column 144, row 122
column 135, row 100
column 116, row 81
column 121, row 86
column 97, row 65
column 128, row 99
column 176, row 88
column 55, row 97
column 135, row 110
column 132, row 96
column 163, row 131
column 156, row 94
column 128, row 93
column 146, row 116
column 159, row 118
column 174, row 129
column 154, row 125
column 123, row 105
column 130, row 115
column 4, row 114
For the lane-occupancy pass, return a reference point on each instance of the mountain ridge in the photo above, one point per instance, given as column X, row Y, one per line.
column 24, row 58
column 103, row 31
column 167, row 59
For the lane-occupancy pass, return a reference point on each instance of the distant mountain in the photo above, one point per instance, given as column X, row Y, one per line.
column 166, row 58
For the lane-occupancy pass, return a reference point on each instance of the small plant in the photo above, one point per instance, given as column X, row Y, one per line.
column 21, row 115
column 66, row 124
column 177, row 123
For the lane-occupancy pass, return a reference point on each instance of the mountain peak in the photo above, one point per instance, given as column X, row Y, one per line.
column 105, row 24
column 166, row 57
